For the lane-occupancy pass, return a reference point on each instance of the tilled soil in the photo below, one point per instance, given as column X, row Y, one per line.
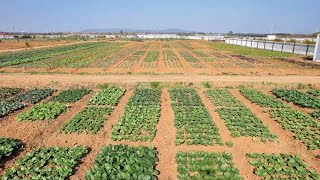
column 45, row 134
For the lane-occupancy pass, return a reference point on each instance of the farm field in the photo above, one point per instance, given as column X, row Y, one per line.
column 149, row 130
column 156, row 57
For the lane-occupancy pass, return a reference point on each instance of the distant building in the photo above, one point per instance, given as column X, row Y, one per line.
column 6, row 36
column 271, row 37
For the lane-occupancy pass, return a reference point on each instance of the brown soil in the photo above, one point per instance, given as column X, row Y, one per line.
column 6, row 46
column 45, row 134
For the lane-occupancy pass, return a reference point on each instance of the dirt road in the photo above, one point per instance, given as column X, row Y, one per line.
column 69, row 79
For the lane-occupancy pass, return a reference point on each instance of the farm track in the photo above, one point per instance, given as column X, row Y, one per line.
column 27, row 80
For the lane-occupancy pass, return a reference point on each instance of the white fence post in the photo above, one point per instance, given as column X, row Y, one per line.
column 316, row 56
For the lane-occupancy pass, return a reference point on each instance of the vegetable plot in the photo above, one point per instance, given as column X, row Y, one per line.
column 194, row 62
column 280, row 166
column 223, row 98
column 304, row 128
column 242, row 122
column 151, row 59
column 238, row 118
column 298, row 98
column 71, row 95
column 8, row 146
column 89, row 120
column 43, row 111
column 205, row 165
column 170, row 59
column 47, row 163
column 108, row 96
column 33, row 96
column 261, row 99
column 9, row 107
column 140, row 117
column 8, row 92
column 124, row 162
column 192, row 119
column 314, row 92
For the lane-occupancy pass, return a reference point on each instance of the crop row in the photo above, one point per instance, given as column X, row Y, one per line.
column 91, row 118
column 95, row 55
column 314, row 92
column 194, row 62
column 59, row 56
column 170, row 59
column 192, row 119
column 71, row 95
column 151, row 59
column 131, row 60
column 88, row 120
column 36, row 55
column 124, row 162
column 238, row 118
column 8, row 92
column 105, row 62
column 107, row 96
column 8, row 146
column 47, row 163
column 206, row 165
column 303, row 127
column 32, row 96
column 280, row 166
column 297, row 98
column 140, row 117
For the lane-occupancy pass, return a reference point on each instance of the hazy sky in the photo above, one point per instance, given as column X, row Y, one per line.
column 293, row 16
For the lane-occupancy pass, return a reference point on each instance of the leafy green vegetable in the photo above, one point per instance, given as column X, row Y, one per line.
column 280, row 166
column 88, row 120
column 8, row 146
column 305, row 128
column 47, row 163
column 316, row 114
column 124, row 162
column 222, row 97
column 206, row 165
column 43, row 111
column 192, row 119
column 297, row 98
column 9, row 107
column 33, row 96
column 8, row 92
column 242, row 122
column 71, row 95
column 238, row 118
column 108, row 96
column 261, row 99
column 140, row 117
column 314, row 92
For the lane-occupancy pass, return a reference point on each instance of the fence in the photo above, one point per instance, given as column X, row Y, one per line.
column 295, row 48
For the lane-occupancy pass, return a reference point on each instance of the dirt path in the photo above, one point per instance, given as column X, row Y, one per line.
column 165, row 136
column 48, row 46
column 27, row 80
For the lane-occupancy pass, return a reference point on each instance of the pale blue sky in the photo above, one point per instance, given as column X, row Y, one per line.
column 292, row 16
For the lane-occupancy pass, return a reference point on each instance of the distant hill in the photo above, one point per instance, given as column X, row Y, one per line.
column 117, row 30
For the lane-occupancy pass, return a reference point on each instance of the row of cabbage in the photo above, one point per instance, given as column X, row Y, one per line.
column 192, row 119
column 238, row 118
column 15, row 99
column 303, row 127
column 140, row 118
column 91, row 118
